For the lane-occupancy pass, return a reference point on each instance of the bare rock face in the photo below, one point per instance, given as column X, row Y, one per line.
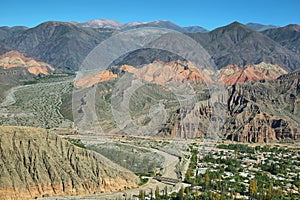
column 262, row 104
column 156, row 72
column 264, row 111
column 36, row 163
column 14, row 59
column 233, row 74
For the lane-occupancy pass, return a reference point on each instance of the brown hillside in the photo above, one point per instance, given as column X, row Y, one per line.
column 13, row 59
column 36, row 163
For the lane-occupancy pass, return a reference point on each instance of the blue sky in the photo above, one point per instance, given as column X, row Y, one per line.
column 209, row 13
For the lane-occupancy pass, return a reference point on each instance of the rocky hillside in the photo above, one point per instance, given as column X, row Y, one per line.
column 240, row 45
column 261, row 103
column 13, row 59
column 264, row 111
column 288, row 36
column 36, row 163
column 260, row 27
column 4, row 49
column 156, row 72
column 233, row 74
column 63, row 45
column 181, row 71
column 6, row 31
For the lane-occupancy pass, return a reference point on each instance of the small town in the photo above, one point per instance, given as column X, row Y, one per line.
column 240, row 171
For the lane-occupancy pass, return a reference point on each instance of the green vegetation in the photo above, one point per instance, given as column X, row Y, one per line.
column 38, row 105
column 76, row 142
column 49, row 78
column 222, row 174
column 242, row 148
column 141, row 161
column 143, row 181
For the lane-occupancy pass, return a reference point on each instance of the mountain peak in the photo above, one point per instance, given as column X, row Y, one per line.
column 236, row 24
column 54, row 23
column 195, row 29
column 260, row 27
column 233, row 27
column 102, row 23
column 294, row 27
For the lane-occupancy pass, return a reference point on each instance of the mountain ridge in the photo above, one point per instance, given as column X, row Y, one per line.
column 38, row 163
column 238, row 44
column 260, row 27
column 65, row 44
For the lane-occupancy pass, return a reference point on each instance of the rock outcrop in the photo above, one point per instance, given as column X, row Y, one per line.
column 261, row 103
column 156, row 72
column 264, row 111
column 181, row 71
column 36, row 163
column 13, row 59
column 233, row 74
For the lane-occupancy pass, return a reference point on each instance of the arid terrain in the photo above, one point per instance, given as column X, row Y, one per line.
column 150, row 123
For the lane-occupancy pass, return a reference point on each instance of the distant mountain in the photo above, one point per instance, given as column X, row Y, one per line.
column 102, row 23
column 144, row 56
column 260, row 27
column 194, row 29
column 238, row 44
column 288, row 36
column 158, row 24
column 63, row 45
column 6, row 31
column 165, row 24
column 112, row 24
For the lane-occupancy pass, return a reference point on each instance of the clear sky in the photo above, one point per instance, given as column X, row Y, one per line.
column 207, row 13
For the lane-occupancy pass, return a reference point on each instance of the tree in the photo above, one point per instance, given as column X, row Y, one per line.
column 270, row 191
column 278, row 193
column 166, row 192
column 157, row 193
column 181, row 193
column 196, row 193
column 253, row 187
column 142, row 195
column 219, row 181
column 207, row 180
column 187, row 191
column 217, row 196
column 188, row 176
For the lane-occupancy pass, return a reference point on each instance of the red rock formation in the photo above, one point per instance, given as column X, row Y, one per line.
column 233, row 74
column 13, row 59
column 92, row 79
column 156, row 72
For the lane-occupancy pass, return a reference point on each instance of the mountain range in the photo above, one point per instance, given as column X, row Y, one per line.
column 65, row 44
column 249, row 62
column 260, row 27
column 112, row 24
column 257, row 93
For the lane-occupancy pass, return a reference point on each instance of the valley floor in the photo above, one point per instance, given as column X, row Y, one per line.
column 209, row 168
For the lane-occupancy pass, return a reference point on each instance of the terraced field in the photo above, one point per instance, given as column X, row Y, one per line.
column 36, row 104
